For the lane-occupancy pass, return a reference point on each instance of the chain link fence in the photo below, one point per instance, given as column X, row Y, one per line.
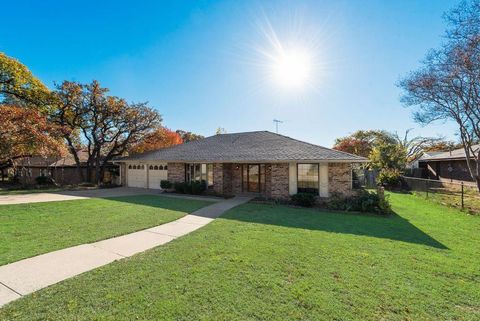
column 462, row 195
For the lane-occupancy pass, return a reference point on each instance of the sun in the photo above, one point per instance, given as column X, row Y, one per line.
column 292, row 68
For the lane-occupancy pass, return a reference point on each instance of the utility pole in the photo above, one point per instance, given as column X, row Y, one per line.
column 276, row 121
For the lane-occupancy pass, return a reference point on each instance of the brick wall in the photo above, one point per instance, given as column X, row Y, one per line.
column 340, row 178
column 236, row 178
column 176, row 172
column 218, row 178
column 279, row 181
column 227, row 179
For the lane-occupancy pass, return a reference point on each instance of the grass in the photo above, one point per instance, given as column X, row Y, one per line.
column 453, row 198
column 6, row 191
column 265, row 262
column 31, row 229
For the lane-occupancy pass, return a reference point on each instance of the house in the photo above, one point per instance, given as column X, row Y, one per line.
column 62, row 169
column 259, row 162
column 447, row 166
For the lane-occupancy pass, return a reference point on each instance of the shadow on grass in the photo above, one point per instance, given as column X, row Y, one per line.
column 393, row 227
column 174, row 204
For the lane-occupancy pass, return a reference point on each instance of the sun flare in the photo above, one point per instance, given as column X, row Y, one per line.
column 291, row 68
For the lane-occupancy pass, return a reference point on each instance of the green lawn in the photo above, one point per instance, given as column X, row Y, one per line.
column 30, row 229
column 6, row 191
column 262, row 262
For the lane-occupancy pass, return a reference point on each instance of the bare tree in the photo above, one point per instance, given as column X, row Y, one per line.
column 447, row 87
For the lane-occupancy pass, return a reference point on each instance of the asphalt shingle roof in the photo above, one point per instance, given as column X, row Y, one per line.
column 259, row 146
column 454, row 154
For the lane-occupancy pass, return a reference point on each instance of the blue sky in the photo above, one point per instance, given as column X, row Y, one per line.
column 199, row 62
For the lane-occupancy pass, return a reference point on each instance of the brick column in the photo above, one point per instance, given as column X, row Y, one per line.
column 280, row 180
column 218, row 178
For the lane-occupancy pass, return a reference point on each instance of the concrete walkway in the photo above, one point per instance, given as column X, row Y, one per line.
column 29, row 275
column 90, row 193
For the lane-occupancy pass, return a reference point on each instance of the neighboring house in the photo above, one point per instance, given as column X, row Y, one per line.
column 261, row 162
column 63, row 170
column 416, row 163
column 447, row 166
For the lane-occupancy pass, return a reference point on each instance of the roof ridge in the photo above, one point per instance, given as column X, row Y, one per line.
column 315, row 145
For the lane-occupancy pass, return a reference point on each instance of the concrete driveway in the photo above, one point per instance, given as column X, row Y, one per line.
column 74, row 195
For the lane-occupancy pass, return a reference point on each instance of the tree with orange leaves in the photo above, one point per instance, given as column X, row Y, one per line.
column 25, row 132
column 160, row 138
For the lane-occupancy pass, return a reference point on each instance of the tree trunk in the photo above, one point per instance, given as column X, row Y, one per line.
column 73, row 151
column 477, row 176
column 98, row 178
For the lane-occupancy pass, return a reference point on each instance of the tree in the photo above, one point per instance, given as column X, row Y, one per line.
column 108, row 126
column 447, row 86
column 26, row 132
column 160, row 138
column 442, row 146
column 362, row 142
column 19, row 87
column 388, row 156
column 189, row 136
column 220, row 130
column 414, row 147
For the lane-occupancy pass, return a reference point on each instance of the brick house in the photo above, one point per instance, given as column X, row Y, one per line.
column 261, row 163
column 62, row 169
column 447, row 166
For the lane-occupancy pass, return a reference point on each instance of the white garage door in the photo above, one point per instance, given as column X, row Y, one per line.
column 137, row 175
column 156, row 173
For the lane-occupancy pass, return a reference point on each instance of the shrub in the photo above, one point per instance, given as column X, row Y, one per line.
column 303, row 199
column 389, row 178
column 369, row 202
column 179, row 188
column 195, row 188
column 165, row 184
column 44, row 180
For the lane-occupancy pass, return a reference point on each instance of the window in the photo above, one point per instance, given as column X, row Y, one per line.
column 129, row 166
column 165, row 168
column 307, row 178
column 156, row 167
column 151, row 167
column 253, row 178
column 199, row 173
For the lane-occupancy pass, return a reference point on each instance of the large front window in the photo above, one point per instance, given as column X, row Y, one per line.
column 199, row 173
column 253, row 178
column 307, row 178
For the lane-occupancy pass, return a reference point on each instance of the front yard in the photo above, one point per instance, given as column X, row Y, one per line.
column 31, row 229
column 262, row 262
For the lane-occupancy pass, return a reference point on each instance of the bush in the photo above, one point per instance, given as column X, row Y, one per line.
column 44, row 180
column 165, row 184
column 368, row 202
column 389, row 178
column 195, row 188
column 179, row 188
column 198, row 187
column 303, row 199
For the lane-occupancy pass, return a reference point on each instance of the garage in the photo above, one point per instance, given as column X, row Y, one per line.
column 137, row 175
column 146, row 175
column 156, row 173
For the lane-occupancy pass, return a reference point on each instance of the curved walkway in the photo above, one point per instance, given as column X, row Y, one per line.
column 29, row 275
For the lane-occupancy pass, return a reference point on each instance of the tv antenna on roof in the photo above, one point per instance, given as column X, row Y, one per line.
column 276, row 121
